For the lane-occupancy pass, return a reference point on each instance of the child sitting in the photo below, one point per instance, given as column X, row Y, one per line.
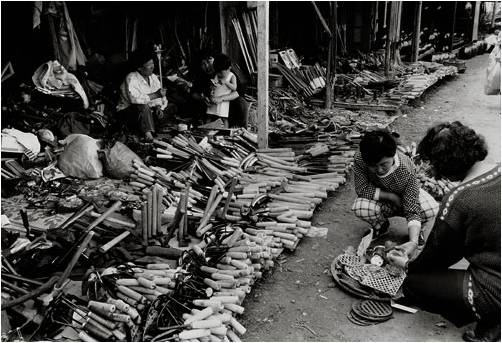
column 224, row 83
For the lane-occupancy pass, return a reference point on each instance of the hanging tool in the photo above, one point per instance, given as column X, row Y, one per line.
column 158, row 51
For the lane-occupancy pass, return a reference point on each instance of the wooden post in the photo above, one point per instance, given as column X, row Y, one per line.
column 374, row 18
column 416, row 36
column 475, row 25
column 335, row 35
column 329, row 89
column 223, row 27
column 388, row 42
column 397, row 51
column 453, row 25
column 262, row 84
column 323, row 22
column 494, row 13
column 275, row 23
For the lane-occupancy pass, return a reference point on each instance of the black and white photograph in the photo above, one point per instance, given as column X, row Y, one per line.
column 250, row 171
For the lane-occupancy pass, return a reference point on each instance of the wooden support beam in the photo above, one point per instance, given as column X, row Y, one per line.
column 331, row 68
column 396, row 51
column 223, row 27
column 274, row 32
column 494, row 12
column 418, row 27
column 388, row 41
column 453, row 25
column 262, row 84
column 335, row 41
column 323, row 22
column 475, row 25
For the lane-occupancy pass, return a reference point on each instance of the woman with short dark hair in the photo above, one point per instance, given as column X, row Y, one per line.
column 467, row 226
column 386, row 185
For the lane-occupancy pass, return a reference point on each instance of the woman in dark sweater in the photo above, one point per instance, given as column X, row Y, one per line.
column 467, row 226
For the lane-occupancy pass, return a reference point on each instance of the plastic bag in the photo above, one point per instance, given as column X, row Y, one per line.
column 80, row 157
column 27, row 140
column 492, row 83
column 118, row 161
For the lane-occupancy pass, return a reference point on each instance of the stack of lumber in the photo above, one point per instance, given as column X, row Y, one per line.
column 246, row 30
column 306, row 80
column 415, row 85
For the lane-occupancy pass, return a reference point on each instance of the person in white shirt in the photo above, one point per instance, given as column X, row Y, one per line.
column 142, row 102
column 224, row 83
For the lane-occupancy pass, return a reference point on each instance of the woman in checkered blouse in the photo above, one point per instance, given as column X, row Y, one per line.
column 467, row 226
column 386, row 185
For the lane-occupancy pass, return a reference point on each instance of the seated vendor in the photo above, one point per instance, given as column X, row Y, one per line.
column 143, row 104
column 386, row 186
column 201, row 94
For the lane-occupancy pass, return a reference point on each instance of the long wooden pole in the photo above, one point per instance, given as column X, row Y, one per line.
column 223, row 28
column 453, row 25
column 262, row 84
column 329, row 90
column 494, row 13
column 335, row 43
column 327, row 27
column 416, row 35
column 475, row 25
column 388, row 42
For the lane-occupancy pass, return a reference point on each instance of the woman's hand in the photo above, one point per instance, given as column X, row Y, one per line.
column 161, row 93
column 158, row 94
column 391, row 197
column 397, row 257
column 395, row 199
column 158, row 112
column 217, row 99
column 208, row 101
column 408, row 248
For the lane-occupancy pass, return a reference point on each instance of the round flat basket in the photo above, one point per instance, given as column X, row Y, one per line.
column 377, row 309
column 352, row 286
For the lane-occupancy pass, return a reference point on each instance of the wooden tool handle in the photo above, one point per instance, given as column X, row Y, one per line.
column 42, row 289
column 193, row 334
column 74, row 259
column 101, row 307
column 171, row 253
column 105, row 215
column 146, row 283
column 206, row 324
column 113, row 242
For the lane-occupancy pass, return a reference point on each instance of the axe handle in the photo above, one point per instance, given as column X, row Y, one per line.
column 105, row 215
column 76, row 216
column 36, row 292
column 75, row 258
column 229, row 196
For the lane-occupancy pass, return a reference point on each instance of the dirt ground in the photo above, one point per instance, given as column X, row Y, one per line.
column 299, row 301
